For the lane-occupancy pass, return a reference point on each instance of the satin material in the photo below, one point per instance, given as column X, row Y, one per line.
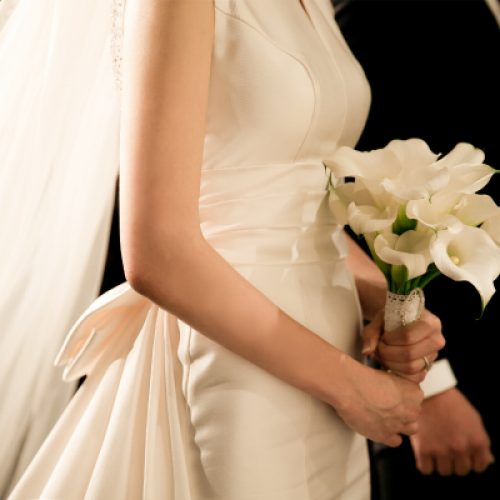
column 165, row 412
column 6, row 9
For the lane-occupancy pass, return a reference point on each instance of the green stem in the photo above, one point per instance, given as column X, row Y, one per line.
column 428, row 277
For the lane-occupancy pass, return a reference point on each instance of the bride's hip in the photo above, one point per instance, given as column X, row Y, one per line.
column 247, row 426
column 320, row 296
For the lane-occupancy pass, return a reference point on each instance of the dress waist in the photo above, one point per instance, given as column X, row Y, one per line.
column 270, row 214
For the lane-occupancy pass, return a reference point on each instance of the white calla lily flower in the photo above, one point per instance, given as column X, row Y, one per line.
column 377, row 164
column 474, row 209
column 467, row 178
column 435, row 214
column 340, row 198
column 463, row 152
column 381, row 197
column 411, row 249
column 413, row 154
column 470, row 255
column 420, row 176
column 422, row 183
column 369, row 219
column 492, row 227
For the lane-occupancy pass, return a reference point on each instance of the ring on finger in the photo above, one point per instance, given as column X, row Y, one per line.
column 428, row 365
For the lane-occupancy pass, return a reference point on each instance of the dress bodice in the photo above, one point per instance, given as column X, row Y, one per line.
column 285, row 93
column 284, row 85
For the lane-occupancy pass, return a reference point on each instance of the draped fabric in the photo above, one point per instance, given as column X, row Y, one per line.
column 59, row 154
column 6, row 9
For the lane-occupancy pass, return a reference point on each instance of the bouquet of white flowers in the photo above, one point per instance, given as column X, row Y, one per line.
column 420, row 216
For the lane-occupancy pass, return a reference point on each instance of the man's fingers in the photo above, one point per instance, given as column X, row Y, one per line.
column 371, row 334
column 445, row 465
column 425, row 464
column 463, row 464
column 481, row 460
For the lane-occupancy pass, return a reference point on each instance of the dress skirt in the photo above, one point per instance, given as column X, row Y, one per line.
column 167, row 413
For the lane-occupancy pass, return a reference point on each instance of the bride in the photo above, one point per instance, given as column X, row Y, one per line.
column 229, row 365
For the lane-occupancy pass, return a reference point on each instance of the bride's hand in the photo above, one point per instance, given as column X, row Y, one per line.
column 402, row 351
column 380, row 405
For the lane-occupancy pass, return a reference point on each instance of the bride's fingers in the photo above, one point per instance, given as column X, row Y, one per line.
column 404, row 354
column 418, row 378
column 371, row 334
column 414, row 333
column 407, row 367
column 410, row 429
column 393, row 441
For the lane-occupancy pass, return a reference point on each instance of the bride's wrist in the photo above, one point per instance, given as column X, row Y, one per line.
column 339, row 383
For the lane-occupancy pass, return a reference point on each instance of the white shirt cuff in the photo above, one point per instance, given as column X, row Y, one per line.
column 439, row 379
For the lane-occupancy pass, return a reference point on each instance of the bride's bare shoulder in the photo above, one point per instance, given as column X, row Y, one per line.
column 158, row 31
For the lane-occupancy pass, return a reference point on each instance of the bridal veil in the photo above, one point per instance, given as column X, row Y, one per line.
column 59, row 155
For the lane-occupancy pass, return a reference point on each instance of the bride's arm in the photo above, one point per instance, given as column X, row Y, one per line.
column 167, row 55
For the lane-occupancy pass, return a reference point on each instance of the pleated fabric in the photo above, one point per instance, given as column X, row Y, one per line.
column 167, row 413
column 59, row 156
column 126, row 419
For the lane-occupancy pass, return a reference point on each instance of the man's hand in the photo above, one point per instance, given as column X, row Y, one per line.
column 451, row 438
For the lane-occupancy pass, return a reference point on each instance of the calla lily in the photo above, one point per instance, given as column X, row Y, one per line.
column 369, row 219
column 435, row 214
column 422, row 183
column 377, row 164
column 467, row 178
column 420, row 176
column 341, row 197
column 462, row 153
column 492, row 227
column 470, row 255
column 474, row 209
column 380, row 196
column 413, row 154
column 411, row 249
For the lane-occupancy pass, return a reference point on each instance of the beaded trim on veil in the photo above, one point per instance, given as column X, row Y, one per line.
column 117, row 11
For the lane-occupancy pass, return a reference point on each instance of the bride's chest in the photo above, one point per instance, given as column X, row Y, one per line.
column 283, row 82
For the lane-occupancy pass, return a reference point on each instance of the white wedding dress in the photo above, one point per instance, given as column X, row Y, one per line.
column 165, row 413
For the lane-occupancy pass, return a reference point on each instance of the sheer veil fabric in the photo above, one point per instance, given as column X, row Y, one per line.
column 59, row 154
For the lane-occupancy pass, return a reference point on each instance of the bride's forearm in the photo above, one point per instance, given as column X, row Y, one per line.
column 191, row 280
column 168, row 48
